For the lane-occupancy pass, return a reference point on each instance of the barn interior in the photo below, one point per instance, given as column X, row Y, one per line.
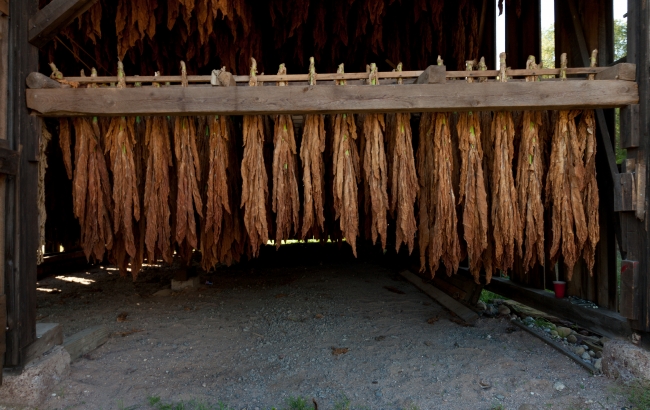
column 181, row 195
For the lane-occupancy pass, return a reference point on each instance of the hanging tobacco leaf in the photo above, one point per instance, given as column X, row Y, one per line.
column 438, row 235
column 404, row 185
column 188, row 167
column 157, row 190
column 505, row 211
column 564, row 184
column 472, row 190
column 311, row 155
column 119, row 142
column 587, row 133
column 64, row 143
column 91, row 191
column 376, row 174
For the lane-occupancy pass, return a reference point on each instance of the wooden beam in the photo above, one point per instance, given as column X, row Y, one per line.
column 86, row 341
column 441, row 297
column 4, row 7
column 38, row 80
column 48, row 21
column 434, row 74
column 9, row 161
column 600, row 320
column 447, row 97
column 48, row 335
column 622, row 71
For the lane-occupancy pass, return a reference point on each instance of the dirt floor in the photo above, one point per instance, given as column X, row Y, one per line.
column 304, row 323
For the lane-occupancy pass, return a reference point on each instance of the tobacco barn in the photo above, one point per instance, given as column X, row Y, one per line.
column 190, row 140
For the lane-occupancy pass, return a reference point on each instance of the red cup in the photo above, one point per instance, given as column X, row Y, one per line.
column 560, row 287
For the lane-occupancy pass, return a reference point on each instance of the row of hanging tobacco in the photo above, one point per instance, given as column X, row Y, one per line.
column 140, row 183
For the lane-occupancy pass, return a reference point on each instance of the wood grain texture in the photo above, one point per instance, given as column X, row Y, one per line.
column 434, row 74
column 622, row 71
column 48, row 335
column 86, row 341
column 39, row 81
column 48, row 21
column 442, row 298
column 328, row 100
column 4, row 7
column 9, row 161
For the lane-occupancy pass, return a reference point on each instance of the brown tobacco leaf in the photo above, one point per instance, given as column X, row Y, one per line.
column 505, row 212
column 64, row 143
column 255, row 183
column 376, row 174
column 438, row 234
column 157, row 190
column 91, row 191
column 404, row 185
column 135, row 19
column 286, row 203
column 472, row 190
column 119, row 142
column 530, row 172
column 311, row 155
column 488, row 159
column 189, row 174
column 587, row 133
column 346, row 177
column 565, row 181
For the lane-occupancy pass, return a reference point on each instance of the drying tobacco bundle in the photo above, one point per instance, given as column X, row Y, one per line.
column 346, row 174
column 530, row 173
column 472, row 190
column 255, row 180
column 438, row 235
column 563, row 189
column 587, row 136
column 404, row 186
column 375, row 168
column 286, row 203
column 188, row 168
column 119, row 142
column 157, row 190
column 311, row 155
column 64, row 143
column 91, row 190
column 505, row 211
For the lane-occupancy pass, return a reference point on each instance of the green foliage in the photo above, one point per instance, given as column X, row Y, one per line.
column 488, row 297
column 157, row 403
column 620, row 39
column 297, row 403
column 638, row 394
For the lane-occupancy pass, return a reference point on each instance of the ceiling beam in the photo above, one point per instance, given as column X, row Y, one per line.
column 49, row 21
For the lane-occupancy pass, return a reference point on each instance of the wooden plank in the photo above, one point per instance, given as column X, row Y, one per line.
column 442, row 298
column 602, row 321
column 328, row 100
column 48, row 335
column 4, row 7
column 630, row 132
column 86, row 341
column 434, row 74
column 623, row 71
column 38, row 80
column 559, row 347
column 628, row 306
column 626, row 201
column 48, row 21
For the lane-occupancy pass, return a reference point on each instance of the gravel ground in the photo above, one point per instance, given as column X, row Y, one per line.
column 267, row 330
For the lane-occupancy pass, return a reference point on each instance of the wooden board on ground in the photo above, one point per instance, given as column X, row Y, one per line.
column 601, row 321
column 441, row 297
column 448, row 97
column 48, row 335
column 86, row 341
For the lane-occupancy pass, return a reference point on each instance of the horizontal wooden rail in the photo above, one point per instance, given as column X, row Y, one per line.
column 334, row 76
column 450, row 96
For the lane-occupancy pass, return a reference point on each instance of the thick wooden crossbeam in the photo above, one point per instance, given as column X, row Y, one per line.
column 451, row 96
column 48, row 21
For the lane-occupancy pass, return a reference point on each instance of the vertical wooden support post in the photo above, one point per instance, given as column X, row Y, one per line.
column 635, row 235
column 523, row 32
column 21, row 214
column 4, row 56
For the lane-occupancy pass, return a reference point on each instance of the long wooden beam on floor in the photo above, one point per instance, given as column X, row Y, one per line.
column 602, row 321
column 48, row 21
column 452, row 96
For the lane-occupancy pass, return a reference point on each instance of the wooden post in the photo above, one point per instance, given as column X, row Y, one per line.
column 21, row 214
column 635, row 236
column 4, row 55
